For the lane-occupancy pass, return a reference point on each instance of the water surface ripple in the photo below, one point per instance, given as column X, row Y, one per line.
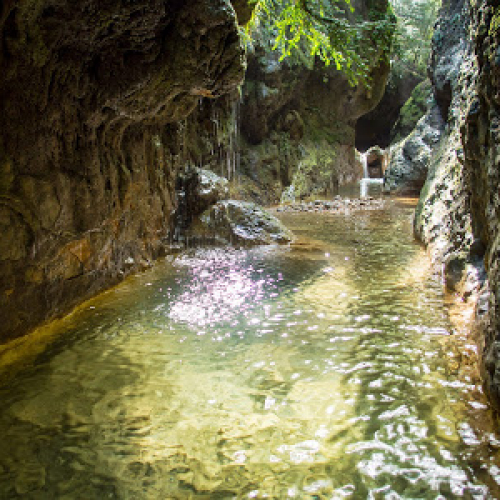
column 326, row 370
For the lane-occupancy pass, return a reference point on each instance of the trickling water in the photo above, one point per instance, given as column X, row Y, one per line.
column 233, row 154
column 226, row 140
column 324, row 370
column 367, row 182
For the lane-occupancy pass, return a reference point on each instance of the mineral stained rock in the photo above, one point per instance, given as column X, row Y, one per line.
column 92, row 101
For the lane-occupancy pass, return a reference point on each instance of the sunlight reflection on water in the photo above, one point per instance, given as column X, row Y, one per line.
column 325, row 370
column 220, row 289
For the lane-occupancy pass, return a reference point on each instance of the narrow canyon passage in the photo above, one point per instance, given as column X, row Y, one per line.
column 327, row 369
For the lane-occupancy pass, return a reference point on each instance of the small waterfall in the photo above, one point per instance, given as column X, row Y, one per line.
column 366, row 181
column 364, row 162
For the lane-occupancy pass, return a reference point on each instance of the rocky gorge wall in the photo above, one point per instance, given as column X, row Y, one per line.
column 103, row 104
column 92, row 99
column 481, row 139
column 298, row 126
column 291, row 130
column 298, row 120
column 454, row 150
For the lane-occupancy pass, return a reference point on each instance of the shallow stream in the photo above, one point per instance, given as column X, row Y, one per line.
column 328, row 369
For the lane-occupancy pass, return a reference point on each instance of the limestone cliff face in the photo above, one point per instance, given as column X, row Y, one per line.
column 481, row 138
column 92, row 95
column 297, row 119
column 459, row 208
column 435, row 141
column 375, row 128
column 298, row 124
column 443, row 218
column 291, row 129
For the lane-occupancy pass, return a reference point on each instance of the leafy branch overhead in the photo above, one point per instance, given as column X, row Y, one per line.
column 330, row 31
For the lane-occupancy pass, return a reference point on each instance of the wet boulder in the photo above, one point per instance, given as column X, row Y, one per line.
column 198, row 189
column 241, row 223
column 211, row 187
column 201, row 188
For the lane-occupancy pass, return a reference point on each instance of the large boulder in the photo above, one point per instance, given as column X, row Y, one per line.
column 241, row 223
column 197, row 189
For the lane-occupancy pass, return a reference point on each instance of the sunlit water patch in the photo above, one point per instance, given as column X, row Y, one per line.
column 325, row 370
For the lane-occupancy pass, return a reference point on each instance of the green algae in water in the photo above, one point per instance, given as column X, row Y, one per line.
column 324, row 370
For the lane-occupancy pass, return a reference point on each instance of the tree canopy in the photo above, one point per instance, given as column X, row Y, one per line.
column 329, row 30
column 413, row 36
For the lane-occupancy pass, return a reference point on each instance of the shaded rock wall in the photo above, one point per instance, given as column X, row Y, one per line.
column 297, row 119
column 291, row 128
column 298, row 125
column 375, row 127
column 443, row 217
column 410, row 159
column 481, row 139
column 412, row 110
column 92, row 98
column 458, row 212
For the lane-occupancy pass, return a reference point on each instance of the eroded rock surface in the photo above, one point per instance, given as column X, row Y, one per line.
column 297, row 120
column 481, row 139
column 92, row 96
column 443, row 219
column 298, row 125
column 374, row 128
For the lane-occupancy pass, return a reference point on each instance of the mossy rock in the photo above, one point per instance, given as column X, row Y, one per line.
column 411, row 112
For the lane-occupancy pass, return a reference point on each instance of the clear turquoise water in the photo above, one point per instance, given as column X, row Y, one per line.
column 328, row 369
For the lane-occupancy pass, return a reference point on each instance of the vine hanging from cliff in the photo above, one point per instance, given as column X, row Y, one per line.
column 328, row 30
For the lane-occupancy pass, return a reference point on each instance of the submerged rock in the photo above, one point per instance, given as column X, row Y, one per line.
column 241, row 223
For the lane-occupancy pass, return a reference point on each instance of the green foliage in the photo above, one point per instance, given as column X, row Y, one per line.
column 413, row 36
column 495, row 22
column 326, row 30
